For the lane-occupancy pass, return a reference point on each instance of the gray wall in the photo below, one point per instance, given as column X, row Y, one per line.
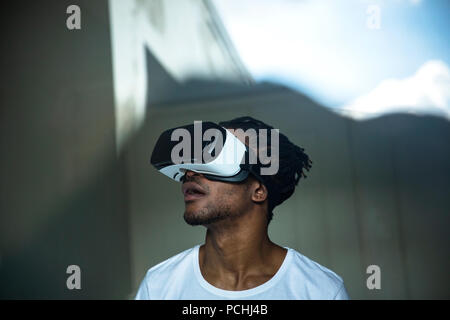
column 62, row 189
column 377, row 193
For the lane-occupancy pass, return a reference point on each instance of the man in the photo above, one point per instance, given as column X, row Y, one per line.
column 238, row 260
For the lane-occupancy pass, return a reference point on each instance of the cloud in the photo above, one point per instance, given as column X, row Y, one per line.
column 426, row 92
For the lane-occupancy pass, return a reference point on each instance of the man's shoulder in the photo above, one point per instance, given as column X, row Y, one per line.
column 316, row 275
column 170, row 266
column 166, row 274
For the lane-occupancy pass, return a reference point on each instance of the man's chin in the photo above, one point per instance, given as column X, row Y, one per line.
column 193, row 219
column 197, row 219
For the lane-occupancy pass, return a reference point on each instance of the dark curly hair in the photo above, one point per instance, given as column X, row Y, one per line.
column 292, row 161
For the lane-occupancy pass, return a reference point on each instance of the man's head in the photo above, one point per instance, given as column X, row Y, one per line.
column 210, row 201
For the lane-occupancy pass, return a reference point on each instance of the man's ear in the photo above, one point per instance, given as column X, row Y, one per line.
column 260, row 192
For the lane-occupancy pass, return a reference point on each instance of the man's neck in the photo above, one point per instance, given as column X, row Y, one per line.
column 239, row 255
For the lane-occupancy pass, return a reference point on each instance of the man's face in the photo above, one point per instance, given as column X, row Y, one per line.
column 210, row 201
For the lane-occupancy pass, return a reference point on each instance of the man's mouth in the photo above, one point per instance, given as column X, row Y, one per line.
column 192, row 191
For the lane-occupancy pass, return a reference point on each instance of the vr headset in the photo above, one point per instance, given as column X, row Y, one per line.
column 213, row 151
column 202, row 147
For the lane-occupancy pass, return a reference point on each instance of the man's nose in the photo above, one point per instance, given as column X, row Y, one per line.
column 189, row 174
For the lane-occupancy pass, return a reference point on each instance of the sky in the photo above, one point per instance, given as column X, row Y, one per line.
column 361, row 57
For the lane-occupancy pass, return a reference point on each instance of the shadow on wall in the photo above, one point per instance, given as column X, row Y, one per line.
column 84, row 229
column 62, row 188
column 377, row 193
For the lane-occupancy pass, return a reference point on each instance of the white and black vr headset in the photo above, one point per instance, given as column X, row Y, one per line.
column 202, row 147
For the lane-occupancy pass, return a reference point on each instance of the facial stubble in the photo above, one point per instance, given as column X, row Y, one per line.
column 213, row 211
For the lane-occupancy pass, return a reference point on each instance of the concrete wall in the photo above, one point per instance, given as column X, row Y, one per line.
column 62, row 189
column 186, row 37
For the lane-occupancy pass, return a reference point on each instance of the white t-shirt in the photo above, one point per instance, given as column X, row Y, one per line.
column 180, row 278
